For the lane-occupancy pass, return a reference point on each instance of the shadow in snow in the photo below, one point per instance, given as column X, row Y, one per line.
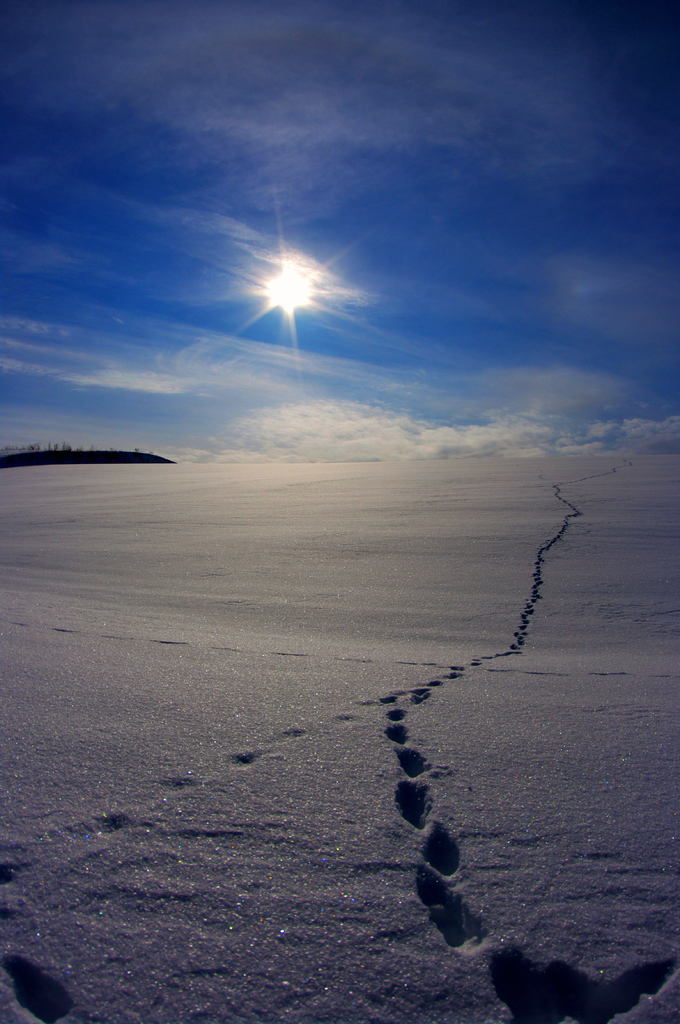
column 441, row 850
column 412, row 761
column 447, row 910
column 41, row 995
column 7, row 872
column 397, row 733
column 413, row 801
column 539, row 994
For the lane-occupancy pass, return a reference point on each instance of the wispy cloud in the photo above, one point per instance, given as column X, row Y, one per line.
column 324, row 431
column 27, row 256
column 320, row 84
column 213, row 365
column 350, row 431
column 638, row 434
column 132, row 380
column 10, row 365
column 616, row 298
column 565, row 391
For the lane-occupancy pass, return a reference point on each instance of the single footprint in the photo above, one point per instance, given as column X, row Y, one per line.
column 413, row 801
column 412, row 761
column 7, row 872
column 397, row 733
column 538, row 994
column 448, row 912
column 441, row 850
column 396, row 715
column 115, row 821
column 247, row 757
column 43, row 996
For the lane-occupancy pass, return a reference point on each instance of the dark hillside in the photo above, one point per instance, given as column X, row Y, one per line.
column 57, row 458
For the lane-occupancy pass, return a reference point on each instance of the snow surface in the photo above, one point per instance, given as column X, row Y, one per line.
column 225, row 798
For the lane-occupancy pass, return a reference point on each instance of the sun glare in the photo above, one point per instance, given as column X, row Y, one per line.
column 289, row 290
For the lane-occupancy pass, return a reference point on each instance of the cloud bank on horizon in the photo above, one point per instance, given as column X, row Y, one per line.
column 482, row 199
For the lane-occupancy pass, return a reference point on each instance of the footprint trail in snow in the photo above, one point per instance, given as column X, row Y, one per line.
column 535, row 994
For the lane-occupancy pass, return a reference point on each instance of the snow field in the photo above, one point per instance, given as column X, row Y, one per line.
column 342, row 743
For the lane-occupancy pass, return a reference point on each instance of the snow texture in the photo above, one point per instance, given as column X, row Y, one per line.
column 340, row 743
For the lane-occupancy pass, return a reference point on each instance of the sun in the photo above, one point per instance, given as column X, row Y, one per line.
column 290, row 289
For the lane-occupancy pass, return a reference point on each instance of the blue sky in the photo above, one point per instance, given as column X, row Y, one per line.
column 483, row 197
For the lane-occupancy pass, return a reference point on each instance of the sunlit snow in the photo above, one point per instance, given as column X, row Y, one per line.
column 343, row 743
